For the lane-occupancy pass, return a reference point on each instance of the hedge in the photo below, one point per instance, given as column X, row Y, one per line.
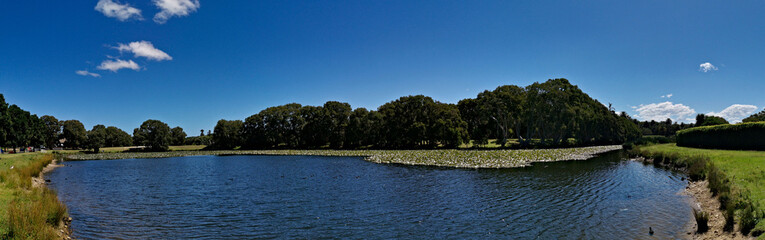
column 742, row 136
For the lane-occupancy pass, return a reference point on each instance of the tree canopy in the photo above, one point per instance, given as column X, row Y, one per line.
column 757, row 117
column 153, row 134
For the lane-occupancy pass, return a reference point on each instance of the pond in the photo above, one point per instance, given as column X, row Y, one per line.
column 309, row 197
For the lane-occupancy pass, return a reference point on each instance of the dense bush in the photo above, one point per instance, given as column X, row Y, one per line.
column 743, row 136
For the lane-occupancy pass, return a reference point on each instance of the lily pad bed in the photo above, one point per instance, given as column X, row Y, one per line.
column 443, row 158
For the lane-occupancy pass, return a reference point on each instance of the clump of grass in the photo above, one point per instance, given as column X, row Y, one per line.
column 748, row 218
column 702, row 220
column 697, row 168
column 730, row 213
column 37, row 217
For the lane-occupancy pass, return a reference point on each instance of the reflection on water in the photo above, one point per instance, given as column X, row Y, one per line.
column 239, row 197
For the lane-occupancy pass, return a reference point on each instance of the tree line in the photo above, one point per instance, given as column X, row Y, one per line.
column 549, row 114
column 552, row 113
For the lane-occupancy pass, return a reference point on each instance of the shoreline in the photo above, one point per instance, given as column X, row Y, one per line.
column 64, row 229
column 700, row 198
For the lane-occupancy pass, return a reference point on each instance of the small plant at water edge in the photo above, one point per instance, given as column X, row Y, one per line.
column 702, row 220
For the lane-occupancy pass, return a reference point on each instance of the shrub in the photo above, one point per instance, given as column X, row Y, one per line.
column 702, row 220
column 742, row 136
column 730, row 212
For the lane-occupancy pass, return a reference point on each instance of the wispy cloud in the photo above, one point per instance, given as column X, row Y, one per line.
column 662, row 111
column 144, row 49
column 122, row 12
column 666, row 96
column 707, row 67
column 86, row 73
column 171, row 8
column 117, row 64
column 736, row 112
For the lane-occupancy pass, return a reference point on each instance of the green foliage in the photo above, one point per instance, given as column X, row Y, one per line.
column 74, row 133
column 419, row 122
column 704, row 120
column 95, row 138
column 742, row 136
column 177, row 136
column 115, row 137
column 702, row 220
column 51, row 131
column 227, row 134
column 552, row 111
column 153, row 134
column 757, row 117
column 200, row 140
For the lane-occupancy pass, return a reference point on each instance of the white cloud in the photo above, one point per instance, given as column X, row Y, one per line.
column 144, row 49
column 736, row 112
column 666, row 96
column 662, row 111
column 172, row 8
column 707, row 67
column 86, row 73
column 122, row 12
column 114, row 65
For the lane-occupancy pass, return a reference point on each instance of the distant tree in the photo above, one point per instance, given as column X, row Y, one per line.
column 4, row 121
column 336, row 118
column 177, row 135
column 202, row 133
column 227, row 135
column 153, row 134
column 96, row 138
column 757, row 117
column 74, row 133
column 52, row 130
column 704, row 120
column 274, row 127
column 115, row 137
column 417, row 122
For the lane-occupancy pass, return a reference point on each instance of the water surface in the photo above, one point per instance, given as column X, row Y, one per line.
column 308, row 197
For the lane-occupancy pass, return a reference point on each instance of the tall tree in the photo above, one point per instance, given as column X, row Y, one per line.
column 153, row 134
column 177, row 135
column 336, row 118
column 227, row 134
column 115, row 137
column 52, row 130
column 74, row 133
column 96, row 138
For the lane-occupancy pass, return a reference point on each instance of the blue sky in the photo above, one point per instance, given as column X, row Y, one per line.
column 195, row 62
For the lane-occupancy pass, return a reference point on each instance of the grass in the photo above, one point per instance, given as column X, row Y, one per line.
column 27, row 212
column 499, row 158
column 737, row 177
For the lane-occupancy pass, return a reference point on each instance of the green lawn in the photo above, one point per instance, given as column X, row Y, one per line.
column 745, row 168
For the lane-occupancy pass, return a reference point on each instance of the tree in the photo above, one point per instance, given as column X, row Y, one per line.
column 177, row 135
column 153, row 134
column 96, row 138
column 74, row 133
column 757, row 117
column 274, row 127
column 52, row 130
column 115, row 137
column 704, row 120
column 418, row 121
column 336, row 117
column 227, row 135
